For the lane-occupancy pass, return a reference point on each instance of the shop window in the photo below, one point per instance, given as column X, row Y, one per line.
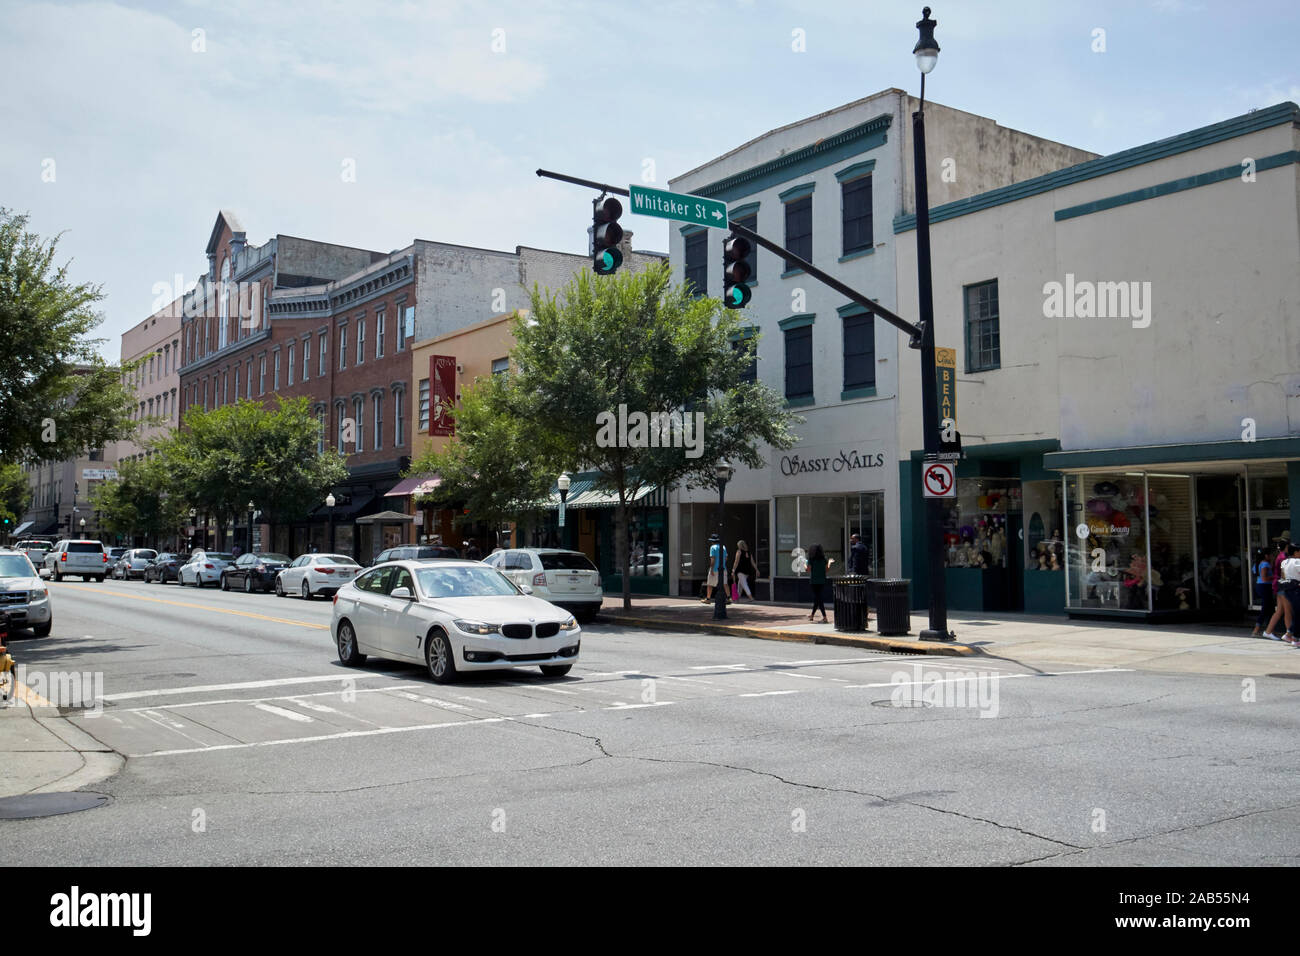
column 975, row 523
column 1044, row 531
column 983, row 338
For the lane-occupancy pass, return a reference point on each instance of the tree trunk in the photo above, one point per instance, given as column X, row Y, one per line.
column 624, row 557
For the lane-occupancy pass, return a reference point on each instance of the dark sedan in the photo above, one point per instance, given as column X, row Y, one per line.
column 254, row 571
column 166, row 567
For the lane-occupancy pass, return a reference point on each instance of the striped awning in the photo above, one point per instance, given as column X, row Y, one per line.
column 23, row 527
column 417, row 485
column 583, row 494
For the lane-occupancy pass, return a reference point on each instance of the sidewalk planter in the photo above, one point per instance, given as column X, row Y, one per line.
column 892, row 605
column 851, row 611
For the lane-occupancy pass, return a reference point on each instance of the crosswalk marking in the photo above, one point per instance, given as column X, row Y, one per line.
column 280, row 711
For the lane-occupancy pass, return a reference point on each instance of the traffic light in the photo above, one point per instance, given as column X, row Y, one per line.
column 606, row 234
column 735, row 270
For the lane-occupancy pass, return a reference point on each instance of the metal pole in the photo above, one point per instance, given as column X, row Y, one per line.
column 938, row 629
column 719, row 592
column 331, row 530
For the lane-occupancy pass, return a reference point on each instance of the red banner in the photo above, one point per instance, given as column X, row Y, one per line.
column 442, row 399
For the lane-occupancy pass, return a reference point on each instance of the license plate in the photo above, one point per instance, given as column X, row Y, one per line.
column 575, row 580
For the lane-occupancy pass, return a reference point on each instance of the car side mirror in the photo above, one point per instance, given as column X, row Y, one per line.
column 404, row 593
column 527, row 589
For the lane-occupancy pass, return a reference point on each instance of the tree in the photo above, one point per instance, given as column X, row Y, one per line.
column 610, row 349
column 219, row 460
column 15, row 495
column 491, row 440
column 141, row 501
column 58, row 397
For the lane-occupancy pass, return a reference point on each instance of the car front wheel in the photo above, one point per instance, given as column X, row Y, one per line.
column 279, row 587
column 556, row 670
column 440, row 658
column 43, row 630
column 347, row 641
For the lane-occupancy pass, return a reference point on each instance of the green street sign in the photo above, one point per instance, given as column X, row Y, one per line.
column 680, row 206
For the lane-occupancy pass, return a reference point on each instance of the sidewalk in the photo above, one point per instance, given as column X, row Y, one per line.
column 41, row 751
column 1032, row 640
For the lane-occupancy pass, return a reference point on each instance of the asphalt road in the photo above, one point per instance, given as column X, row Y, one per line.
column 247, row 742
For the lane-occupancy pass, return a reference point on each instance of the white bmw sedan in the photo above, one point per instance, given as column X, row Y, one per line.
column 452, row 617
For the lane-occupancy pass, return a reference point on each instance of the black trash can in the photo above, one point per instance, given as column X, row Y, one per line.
column 893, row 613
column 850, row 591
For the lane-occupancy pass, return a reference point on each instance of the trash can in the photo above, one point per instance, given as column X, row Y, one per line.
column 893, row 614
column 850, row 592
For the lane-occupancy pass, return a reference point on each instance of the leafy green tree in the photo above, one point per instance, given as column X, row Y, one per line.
column 141, row 501
column 58, row 397
column 221, row 459
column 632, row 342
column 15, row 495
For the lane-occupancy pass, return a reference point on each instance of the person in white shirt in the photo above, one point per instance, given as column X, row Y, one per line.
column 1288, row 594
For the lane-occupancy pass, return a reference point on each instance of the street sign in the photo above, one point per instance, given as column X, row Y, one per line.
column 939, row 480
column 680, row 206
column 945, row 361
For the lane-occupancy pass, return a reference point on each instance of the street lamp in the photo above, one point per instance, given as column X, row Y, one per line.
column 250, row 524
column 927, row 55
column 723, row 471
column 329, row 503
column 563, row 484
column 83, row 527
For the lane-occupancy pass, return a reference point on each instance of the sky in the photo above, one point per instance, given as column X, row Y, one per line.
column 127, row 126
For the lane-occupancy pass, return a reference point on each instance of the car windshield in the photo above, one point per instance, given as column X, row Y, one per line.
column 333, row 559
column 566, row 561
column 464, row 582
column 16, row 566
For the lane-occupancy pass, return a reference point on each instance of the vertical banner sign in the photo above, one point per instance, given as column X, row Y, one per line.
column 442, row 376
column 945, row 361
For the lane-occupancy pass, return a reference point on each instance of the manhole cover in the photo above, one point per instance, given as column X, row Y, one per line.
column 902, row 703
column 29, row 805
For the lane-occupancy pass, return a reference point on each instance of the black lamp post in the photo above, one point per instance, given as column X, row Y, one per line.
column 723, row 472
column 927, row 55
column 329, row 503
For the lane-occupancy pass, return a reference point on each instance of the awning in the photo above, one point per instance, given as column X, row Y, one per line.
column 386, row 517
column 583, row 494
column 23, row 527
column 360, row 502
column 417, row 485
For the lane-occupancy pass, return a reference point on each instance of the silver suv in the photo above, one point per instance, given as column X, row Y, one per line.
column 82, row 557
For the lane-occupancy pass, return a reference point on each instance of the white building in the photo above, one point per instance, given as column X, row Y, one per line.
column 1127, row 337
column 828, row 187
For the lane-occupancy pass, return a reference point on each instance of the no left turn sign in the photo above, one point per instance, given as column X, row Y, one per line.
column 939, row 480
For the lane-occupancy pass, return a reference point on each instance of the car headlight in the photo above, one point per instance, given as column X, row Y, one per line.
column 569, row 625
column 477, row 627
column 36, row 597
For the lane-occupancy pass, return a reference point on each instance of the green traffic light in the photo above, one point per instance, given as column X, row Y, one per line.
column 608, row 261
column 738, row 296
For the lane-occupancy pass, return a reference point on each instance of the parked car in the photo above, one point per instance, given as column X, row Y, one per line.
column 132, row 564
column 253, row 571
column 164, row 567
column 24, row 595
column 79, row 556
column 115, row 554
column 410, row 552
column 204, row 567
column 35, row 552
column 311, row 574
column 452, row 617
column 565, row 578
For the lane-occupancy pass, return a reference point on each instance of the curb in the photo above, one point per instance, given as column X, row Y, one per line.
column 896, row 645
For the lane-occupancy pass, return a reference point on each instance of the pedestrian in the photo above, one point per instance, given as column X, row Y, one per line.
column 743, row 569
column 1283, row 542
column 472, row 553
column 818, row 565
column 859, row 558
column 1288, row 596
column 1262, row 576
column 717, row 569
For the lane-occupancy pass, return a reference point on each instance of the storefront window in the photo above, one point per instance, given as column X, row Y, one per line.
column 1169, row 513
column 1044, row 535
column 1107, row 549
column 647, row 543
column 822, row 521
column 828, row 520
column 975, row 522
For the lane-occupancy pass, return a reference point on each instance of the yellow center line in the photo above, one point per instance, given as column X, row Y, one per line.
column 201, row 607
column 30, row 697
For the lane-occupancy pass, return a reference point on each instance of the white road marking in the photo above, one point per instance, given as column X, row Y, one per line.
column 619, row 705
column 280, row 682
column 280, row 711
column 714, row 667
column 432, row 700
column 554, row 690
column 988, row 676
column 769, row 693
column 611, row 673
column 689, row 680
column 476, row 700
column 256, row 700
column 804, row 676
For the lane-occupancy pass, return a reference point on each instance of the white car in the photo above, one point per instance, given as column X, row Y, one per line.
column 24, row 595
column 311, row 574
column 80, row 556
column 565, row 578
column 452, row 617
column 204, row 567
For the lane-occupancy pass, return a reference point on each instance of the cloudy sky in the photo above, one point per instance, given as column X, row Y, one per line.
column 126, row 126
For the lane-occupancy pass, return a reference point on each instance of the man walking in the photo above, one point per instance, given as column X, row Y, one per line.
column 859, row 559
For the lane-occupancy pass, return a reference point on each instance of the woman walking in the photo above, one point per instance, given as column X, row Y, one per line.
column 1262, row 569
column 743, row 569
column 1287, row 580
column 818, row 564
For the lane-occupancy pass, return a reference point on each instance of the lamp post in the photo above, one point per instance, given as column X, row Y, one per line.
column 83, row 527
column 251, row 508
column 194, row 526
column 563, row 484
column 927, row 55
column 723, row 471
column 329, row 503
